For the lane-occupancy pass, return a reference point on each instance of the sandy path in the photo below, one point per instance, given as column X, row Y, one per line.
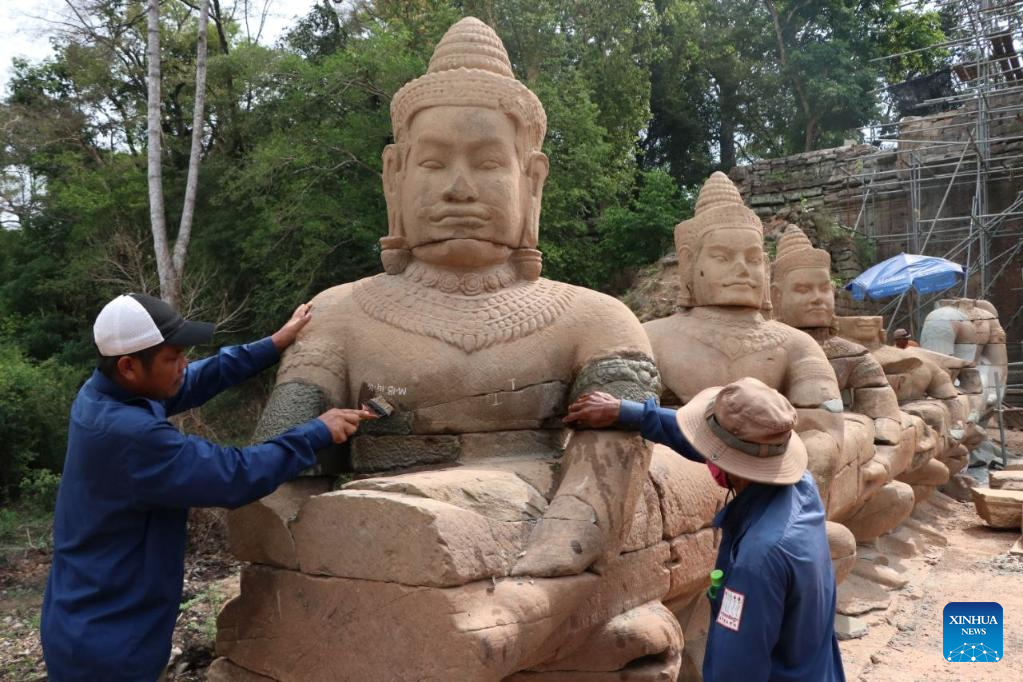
column 904, row 641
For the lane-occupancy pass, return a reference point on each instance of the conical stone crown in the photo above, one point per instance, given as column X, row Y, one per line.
column 471, row 44
column 717, row 192
column 796, row 251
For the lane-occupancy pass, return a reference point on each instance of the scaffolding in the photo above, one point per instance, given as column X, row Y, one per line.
column 981, row 143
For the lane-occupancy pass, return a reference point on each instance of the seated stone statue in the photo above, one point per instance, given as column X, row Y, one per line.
column 803, row 297
column 720, row 336
column 924, row 387
column 484, row 545
column 969, row 329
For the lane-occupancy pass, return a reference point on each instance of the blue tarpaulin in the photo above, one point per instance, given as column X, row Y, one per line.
column 896, row 275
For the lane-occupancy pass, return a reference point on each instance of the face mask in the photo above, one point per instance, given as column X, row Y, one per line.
column 719, row 476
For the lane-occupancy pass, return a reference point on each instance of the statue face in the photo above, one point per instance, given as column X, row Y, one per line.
column 729, row 269
column 805, row 298
column 462, row 192
column 863, row 329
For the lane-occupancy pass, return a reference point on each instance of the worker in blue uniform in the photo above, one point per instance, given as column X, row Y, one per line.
column 115, row 583
column 773, row 612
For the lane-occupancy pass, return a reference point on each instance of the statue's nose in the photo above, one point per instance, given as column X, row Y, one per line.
column 460, row 189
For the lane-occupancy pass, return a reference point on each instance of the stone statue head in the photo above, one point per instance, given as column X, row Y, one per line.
column 866, row 330
column 464, row 178
column 801, row 290
column 721, row 259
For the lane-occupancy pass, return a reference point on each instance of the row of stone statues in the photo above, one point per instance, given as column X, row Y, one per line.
column 480, row 540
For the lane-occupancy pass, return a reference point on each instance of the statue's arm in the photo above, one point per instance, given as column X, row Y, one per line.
column 603, row 472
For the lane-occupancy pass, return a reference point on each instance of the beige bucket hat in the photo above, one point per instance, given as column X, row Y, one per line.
column 746, row 429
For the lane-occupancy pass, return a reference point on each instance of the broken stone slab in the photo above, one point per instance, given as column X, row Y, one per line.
column 1014, row 465
column 493, row 494
column 1017, row 547
column 999, row 508
column 849, row 627
column 857, row 596
column 293, row 627
column 524, row 442
column 688, row 495
column 223, row 670
column 1006, row 480
column 540, row 472
column 260, row 532
column 387, row 536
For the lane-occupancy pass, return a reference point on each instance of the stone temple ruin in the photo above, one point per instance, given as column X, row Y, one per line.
column 469, row 536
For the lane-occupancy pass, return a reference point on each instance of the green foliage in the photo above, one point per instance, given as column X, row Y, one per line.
column 34, row 402
column 38, row 490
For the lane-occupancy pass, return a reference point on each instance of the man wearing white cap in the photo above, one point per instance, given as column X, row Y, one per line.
column 773, row 614
column 129, row 477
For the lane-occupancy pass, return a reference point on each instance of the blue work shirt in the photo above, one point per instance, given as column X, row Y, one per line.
column 119, row 534
column 778, row 589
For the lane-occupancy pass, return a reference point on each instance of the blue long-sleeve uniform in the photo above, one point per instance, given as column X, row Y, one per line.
column 119, row 533
column 777, row 600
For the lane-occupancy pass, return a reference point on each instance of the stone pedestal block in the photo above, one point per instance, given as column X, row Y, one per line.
column 999, row 508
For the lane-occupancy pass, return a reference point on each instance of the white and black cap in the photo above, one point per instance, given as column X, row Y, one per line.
column 134, row 322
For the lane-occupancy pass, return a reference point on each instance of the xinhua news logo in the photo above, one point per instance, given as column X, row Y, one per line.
column 972, row 632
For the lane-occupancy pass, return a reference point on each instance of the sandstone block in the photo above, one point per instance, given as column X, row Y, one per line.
column 999, row 508
column 381, row 453
column 899, row 542
column 692, row 559
column 393, row 537
column 490, row 412
column 875, row 401
column 688, row 495
column 887, row 431
column 647, row 529
column 842, row 546
column 889, row 507
column 848, row 627
column 931, row 473
column 859, row 437
column 879, row 573
column 525, row 442
column 294, row 627
column 857, row 596
column 260, row 532
column 494, row 494
column 1006, row 480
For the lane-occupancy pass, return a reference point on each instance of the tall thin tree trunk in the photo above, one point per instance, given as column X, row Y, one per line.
column 727, row 126
column 157, row 217
column 188, row 210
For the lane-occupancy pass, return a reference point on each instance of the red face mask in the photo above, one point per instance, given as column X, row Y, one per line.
column 719, row 476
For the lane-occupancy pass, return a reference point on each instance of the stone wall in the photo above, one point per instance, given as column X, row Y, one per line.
column 829, row 185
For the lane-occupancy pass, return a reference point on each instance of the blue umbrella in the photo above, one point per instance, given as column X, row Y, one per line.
column 898, row 274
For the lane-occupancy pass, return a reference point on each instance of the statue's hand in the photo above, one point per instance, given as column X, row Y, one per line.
column 566, row 541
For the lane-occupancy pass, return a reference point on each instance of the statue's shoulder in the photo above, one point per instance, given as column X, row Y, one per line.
column 837, row 347
column 593, row 304
column 337, row 297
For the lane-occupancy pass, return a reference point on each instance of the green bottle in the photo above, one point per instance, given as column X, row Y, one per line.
column 717, row 576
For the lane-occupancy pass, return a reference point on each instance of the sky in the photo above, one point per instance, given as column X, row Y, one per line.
column 24, row 26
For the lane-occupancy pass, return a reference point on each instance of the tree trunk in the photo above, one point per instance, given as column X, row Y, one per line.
column 726, row 105
column 169, row 285
column 188, row 210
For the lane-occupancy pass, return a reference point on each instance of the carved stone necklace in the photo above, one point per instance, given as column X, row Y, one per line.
column 735, row 336
column 471, row 310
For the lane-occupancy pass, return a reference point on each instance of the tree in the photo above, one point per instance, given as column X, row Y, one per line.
column 171, row 265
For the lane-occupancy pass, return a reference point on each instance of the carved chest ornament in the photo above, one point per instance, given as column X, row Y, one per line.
column 736, row 338
column 470, row 310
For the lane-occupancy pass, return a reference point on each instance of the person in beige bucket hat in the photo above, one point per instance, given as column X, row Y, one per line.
column 773, row 588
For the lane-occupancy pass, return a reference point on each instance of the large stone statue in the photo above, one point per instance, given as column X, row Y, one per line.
column 720, row 336
column 924, row 385
column 485, row 545
column 803, row 297
column 969, row 329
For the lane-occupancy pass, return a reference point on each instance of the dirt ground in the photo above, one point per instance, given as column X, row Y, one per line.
column 904, row 641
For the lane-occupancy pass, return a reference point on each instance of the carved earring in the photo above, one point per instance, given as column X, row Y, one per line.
column 527, row 263
column 394, row 254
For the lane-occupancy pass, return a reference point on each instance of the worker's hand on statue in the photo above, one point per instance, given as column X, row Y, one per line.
column 343, row 423
column 596, row 410
column 285, row 336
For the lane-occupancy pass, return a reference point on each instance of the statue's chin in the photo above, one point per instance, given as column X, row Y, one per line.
column 463, row 253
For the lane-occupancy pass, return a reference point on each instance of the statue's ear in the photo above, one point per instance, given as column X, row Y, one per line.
column 392, row 158
column 686, row 260
column 775, row 296
column 537, row 168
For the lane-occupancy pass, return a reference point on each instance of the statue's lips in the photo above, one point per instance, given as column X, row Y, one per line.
column 468, row 218
column 745, row 285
